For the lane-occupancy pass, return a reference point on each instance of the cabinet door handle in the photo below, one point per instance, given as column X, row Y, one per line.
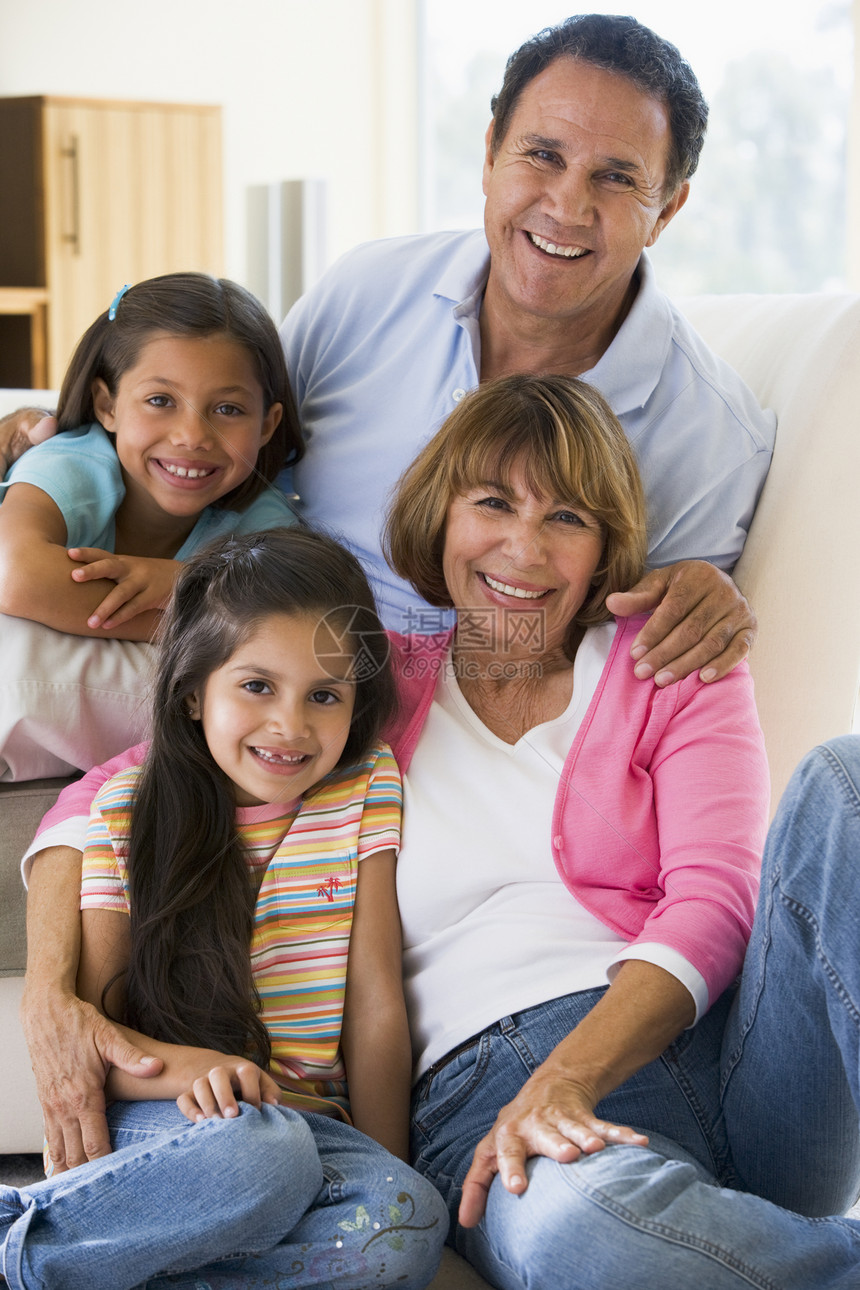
column 73, row 153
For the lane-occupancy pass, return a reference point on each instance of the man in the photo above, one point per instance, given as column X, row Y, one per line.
column 595, row 134
column 381, row 349
column 584, row 168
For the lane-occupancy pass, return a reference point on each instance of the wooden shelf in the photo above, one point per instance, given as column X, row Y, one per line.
column 32, row 303
column 106, row 192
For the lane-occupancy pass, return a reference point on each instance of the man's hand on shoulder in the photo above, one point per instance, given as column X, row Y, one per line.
column 20, row 430
column 701, row 622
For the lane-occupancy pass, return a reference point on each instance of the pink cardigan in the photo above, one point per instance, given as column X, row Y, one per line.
column 661, row 811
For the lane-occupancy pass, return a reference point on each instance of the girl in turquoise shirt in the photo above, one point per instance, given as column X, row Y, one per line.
column 178, row 416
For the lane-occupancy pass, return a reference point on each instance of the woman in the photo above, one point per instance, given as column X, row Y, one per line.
column 565, row 825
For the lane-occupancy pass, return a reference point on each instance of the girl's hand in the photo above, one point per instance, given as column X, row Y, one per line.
column 141, row 583
column 214, row 1094
column 550, row 1116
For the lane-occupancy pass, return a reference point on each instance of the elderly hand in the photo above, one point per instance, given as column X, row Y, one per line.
column 643, row 1010
column 551, row 1116
column 71, row 1046
column 21, row 430
column 701, row 622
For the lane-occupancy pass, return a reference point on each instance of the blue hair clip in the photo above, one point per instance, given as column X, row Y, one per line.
column 115, row 302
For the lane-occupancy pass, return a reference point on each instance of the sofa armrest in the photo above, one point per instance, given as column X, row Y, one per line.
column 21, row 808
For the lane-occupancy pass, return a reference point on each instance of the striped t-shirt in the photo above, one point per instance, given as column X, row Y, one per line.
column 310, row 853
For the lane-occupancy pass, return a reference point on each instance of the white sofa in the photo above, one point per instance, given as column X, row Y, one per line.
column 801, row 356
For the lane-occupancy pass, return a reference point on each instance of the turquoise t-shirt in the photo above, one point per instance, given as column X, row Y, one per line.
column 80, row 471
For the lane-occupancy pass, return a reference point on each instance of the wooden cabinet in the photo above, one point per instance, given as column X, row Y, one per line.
column 97, row 193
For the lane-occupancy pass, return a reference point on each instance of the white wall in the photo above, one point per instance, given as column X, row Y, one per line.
column 309, row 88
column 853, row 222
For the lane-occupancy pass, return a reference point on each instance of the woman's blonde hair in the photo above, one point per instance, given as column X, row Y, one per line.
column 571, row 448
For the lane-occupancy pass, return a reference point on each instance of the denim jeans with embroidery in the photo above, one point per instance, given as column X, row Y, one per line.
column 271, row 1198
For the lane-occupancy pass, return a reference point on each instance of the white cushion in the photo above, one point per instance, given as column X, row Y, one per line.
column 801, row 356
column 11, row 400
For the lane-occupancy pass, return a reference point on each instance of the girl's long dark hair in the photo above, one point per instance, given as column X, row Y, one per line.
column 195, row 305
column 189, row 973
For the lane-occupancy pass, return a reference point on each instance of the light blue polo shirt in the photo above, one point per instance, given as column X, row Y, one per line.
column 387, row 342
column 80, row 472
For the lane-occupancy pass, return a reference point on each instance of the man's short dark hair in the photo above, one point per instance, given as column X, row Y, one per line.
column 624, row 46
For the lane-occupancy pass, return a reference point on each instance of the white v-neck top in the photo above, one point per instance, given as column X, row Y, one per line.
column 489, row 928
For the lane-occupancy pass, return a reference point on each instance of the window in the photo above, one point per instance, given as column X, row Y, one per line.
column 767, row 210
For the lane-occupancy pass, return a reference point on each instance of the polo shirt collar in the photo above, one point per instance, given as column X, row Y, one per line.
column 464, row 277
column 629, row 371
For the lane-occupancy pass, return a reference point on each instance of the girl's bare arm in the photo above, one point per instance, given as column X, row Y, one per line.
column 104, row 953
column 36, row 572
column 376, row 1042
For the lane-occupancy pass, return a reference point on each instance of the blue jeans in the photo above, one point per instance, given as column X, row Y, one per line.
column 271, row 1198
column 751, row 1115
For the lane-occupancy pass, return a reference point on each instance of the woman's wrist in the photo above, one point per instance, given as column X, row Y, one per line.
column 642, row 1012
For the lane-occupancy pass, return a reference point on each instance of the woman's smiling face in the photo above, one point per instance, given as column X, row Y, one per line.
column 511, row 552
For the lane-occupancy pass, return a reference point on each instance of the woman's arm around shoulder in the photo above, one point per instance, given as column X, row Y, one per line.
column 77, row 798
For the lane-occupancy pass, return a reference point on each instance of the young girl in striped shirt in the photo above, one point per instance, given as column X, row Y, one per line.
column 265, row 816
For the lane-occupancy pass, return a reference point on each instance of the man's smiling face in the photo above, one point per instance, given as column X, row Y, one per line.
column 575, row 191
